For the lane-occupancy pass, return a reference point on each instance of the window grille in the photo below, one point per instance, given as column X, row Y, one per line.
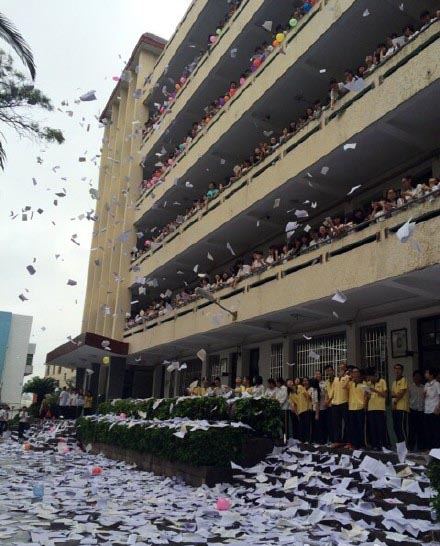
column 193, row 371
column 276, row 360
column 374, row 348
column 319, row 352
column 215, row 367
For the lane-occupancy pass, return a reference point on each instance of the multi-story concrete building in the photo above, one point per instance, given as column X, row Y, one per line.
column 16, row 356
column 65, row 377
column 333, row 160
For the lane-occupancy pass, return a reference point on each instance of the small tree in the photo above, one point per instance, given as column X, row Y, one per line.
column 40, row 386
column 17, row 97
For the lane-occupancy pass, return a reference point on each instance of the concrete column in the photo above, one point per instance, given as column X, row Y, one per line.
column 102, row 382
column 158, row 387
column 115, row 381
column 80, row 378
column 94, row 383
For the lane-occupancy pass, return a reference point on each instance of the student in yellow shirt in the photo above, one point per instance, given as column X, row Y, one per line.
column 239, row 388
column 356, row 409
column 339, row 403
column 328, row 395
column 246, row 383
column 292, row 390
column 399, row 394
column 376, row 415
column 304, row 410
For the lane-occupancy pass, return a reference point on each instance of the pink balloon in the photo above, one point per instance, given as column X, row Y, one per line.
column 223, row 504
column 116, row 78
column 182, row 80
column 213, row 39
column 242, row 80
column 122, row 416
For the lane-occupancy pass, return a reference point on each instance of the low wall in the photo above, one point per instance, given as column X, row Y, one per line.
column 254, row 451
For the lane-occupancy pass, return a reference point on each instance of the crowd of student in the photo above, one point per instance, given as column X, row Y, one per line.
column 258, row 58
column 337, row 89
column 348, row 408
column 72, row 403
column 329, row 230
column 161, row 109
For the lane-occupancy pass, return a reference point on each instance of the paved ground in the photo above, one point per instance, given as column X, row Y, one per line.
column 296, row 496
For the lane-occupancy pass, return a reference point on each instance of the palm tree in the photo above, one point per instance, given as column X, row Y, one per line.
column 10, row 34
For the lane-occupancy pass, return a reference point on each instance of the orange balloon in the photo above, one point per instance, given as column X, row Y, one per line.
column 275, row 43
column 27, row 447
column 96, row 470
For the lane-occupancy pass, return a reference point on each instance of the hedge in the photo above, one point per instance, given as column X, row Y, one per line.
column 263, row 415
column 215, row 447
column 434, row 475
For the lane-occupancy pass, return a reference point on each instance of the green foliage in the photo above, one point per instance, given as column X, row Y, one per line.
column 263, row 415
column 434, row 475
column 40, row 386
column 214, row 447
column 17, row 98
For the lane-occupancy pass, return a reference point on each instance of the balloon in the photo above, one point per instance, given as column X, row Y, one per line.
column 280, row 37
column 275, row 43
column 256, row 63
column 232, row 92
column 254, row 68
column 307, row 7
column 177, row 86
column 242, row 80
column 116, row 78
column 222, row 101
column 293, row 22
column 122, row 416
column 106, row 360
column 66, row 450
column 96, row 471
column 218, row 31
column 213, row 39
column 27, row 447
column 222, row 504
column 147, row 243
column 182, row 80
column 170, row 161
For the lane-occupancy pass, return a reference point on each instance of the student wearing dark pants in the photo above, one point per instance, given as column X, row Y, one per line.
column 431, row 394
column 415, row 416
column 399, row 394
column 376, row 414
column 356, row 409
column 328, row 388
column 339, row 404
column 304, row 410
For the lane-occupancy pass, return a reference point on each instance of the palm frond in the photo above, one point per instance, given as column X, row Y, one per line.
column 2, row 157
column 10, row 34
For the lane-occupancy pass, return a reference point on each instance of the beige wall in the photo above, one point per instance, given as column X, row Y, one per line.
column 64, row 376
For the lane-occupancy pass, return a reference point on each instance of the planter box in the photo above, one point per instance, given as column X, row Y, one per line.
column 254, row 451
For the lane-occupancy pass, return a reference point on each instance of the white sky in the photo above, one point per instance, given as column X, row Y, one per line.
column 76, row 46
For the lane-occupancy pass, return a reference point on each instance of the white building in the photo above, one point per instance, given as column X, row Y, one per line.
column 16, row 355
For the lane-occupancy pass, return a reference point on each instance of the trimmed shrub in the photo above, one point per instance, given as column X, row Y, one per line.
column 434, row 476
column 215, row 447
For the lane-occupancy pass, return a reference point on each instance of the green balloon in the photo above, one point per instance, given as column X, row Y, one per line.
column 219, row 31
column 293, row 23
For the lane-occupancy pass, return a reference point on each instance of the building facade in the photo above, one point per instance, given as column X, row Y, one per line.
column 65, row 377
column 187, row 115
column 16, row 356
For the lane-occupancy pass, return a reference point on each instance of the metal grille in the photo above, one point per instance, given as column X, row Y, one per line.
column 374, row 348
column 215, row 367
column 276, row 360
column 315, row 354
column 193, row 371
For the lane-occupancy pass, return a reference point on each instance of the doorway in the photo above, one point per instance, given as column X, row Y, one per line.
column 254, row 363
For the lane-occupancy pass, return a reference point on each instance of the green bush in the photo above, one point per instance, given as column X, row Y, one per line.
column 434, row 476
column 213, row 447
column 263, row 415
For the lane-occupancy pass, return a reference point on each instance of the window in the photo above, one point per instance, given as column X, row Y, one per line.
column 29, row 359
column 429, row 342
column 374, row 348
column 276, row 360
column 215, row 366
column 193, row 371
column 319, row 352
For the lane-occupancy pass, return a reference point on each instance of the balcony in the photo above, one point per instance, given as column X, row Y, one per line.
column 326, row 40
column 377, row 273
column 386, row 126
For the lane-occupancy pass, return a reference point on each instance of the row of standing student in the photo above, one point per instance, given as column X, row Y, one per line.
column 350, row 408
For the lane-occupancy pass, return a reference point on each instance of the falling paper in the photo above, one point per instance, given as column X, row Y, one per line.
column 325, row 170
column 267, row 25
column 71, row 282
column 351, row 146
column 31, row 269
column 276, row 203
column 89, row 96
column 229, row 247
column 405, row 232
column 340, row 297
column 354, row 188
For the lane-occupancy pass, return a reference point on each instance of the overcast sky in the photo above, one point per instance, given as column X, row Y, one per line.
column 78, row 46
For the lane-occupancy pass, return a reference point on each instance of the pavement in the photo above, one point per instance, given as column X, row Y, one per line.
column 299, row 495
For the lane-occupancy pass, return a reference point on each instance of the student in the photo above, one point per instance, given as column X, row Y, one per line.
column 304, row 410
column 317, row 428
column 328, row 395
column 292, row 419
column 271, row 391
column 339, row 402
column 376, row 415
column 73, row 399
column 88, row 403
column 282, row 397
column 431, row 393
column 219, row 389
column 416, row 412
column 4, row 417
column 79, row 404
column 63, row 402
column 246, row 383
column 23, row 421
column 258, row 388
column 356, row 409
column 239, row 388
column 322, row 437
column 399, row 394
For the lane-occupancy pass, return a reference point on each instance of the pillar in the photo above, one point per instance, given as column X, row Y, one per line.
column 116, row 376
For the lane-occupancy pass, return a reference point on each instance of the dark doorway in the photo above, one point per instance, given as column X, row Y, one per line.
column 254, row 363
column 429, row 342
column 233, row 359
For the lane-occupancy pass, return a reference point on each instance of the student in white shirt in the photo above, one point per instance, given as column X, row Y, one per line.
column 283, row 398
column 258, row 388
column 23, row 421
column 416, row 412
column 73, row 399
column 4, row 418
column 271, row 391
column 431, row 392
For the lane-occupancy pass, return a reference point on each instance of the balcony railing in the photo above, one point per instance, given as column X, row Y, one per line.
column 374, row 79
column 371, row 231
column 247, row 85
